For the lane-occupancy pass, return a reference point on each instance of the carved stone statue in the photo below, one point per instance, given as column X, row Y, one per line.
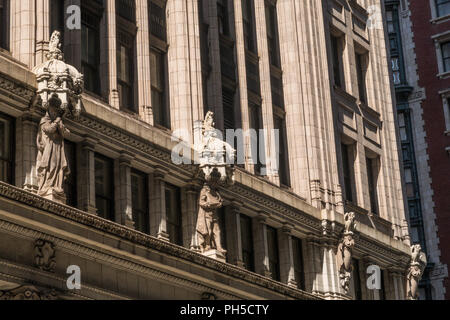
column 208, row 229
column 415, row 272
column 59, row 89
column 344, row 251
column 51, row 164
column 217, row 166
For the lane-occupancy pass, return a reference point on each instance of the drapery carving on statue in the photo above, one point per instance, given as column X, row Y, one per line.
column 415, row 272
column 208, row 229
column 344, row 251
column 51, row 164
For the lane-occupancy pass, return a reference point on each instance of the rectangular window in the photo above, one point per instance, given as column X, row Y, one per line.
column 356, row 280
column 158, row 80
column 173, row 214
column 347, row 171
column 249, row 25
column 104, row 187
column 382, row 291
column 442, row 8
column 272, row 34
column 272, row 245
column 6, row 149
column 57, row 13
column 126, row 9
column 70, row 185
column 247, row 242
column 361, row 75
column 228, row 108
column 90, row 51
column 372, row 183
column 4, row 24
column 445, row 47
column 125, row 69
column 139, row 201
column 299, row 270
column 222, row 226
column 336, row 52
column 283, row 159
column 157, row 16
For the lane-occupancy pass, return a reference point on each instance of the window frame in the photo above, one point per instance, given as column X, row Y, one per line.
column 144, row 212
column 12, row 147
column 5, row 25
column 247, row 252
column 111, row 198
column 372, row 178
column 299, row 270
column 175, row 192
column 274, row 256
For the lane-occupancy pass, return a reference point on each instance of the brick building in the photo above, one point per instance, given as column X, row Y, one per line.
column 419, row 40
column 311, row 69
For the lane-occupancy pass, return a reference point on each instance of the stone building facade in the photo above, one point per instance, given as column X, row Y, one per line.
column 418, row 37
column 314, row 70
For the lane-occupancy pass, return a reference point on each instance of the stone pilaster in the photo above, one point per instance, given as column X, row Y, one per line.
column 143, row 61
column 42, row 30
column 189, row 217
column 233, row 232
column 86, row 175
column 124, row 215
column 23, row 33
column 287, row 272
column 260, row 244
column 158, row 218
column 112, row 48
column 26, row 151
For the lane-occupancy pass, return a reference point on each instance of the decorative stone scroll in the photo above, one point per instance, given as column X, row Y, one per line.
column 217, row 167
column 59, row 89
column 27, row 292
column 344, row 251
column 415, row 272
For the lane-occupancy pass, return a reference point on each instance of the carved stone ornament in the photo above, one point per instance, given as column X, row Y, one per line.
column 59, row 88
column 415, row 272
column 217, row 166
column 44, row 255
column 344, row 251
column 27, row 292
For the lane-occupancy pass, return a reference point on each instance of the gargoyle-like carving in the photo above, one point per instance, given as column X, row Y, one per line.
column 59, row 88
column 44, row 255
column 217, row 165
column 415, row 272
column 27, row 292
column 344, row 251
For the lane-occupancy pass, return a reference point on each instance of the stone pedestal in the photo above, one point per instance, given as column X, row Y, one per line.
column 56, row 196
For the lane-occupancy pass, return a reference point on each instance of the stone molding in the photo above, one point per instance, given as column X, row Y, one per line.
column 16, row 90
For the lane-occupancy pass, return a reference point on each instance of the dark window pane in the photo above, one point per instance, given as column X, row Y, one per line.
column 446, row 56
column 157, row 15
column 6, row 146
column 371, row 179
column 361, row 73
column 126, row 9
column 357, row 280
column 4, row 24
column 272, row 34
column 298, row 263
column 90, row 52
column 139, row 201
column 272, row 244
column 336, row 61
column 347, row 172
column 442, row 7
column 283, row 164
column 104, row 187
column 247, row 242
column 125, row 69
column 173, row 214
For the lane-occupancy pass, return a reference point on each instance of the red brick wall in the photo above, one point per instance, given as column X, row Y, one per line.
column 433, row 115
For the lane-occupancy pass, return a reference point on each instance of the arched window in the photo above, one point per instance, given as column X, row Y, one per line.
column 4, row 24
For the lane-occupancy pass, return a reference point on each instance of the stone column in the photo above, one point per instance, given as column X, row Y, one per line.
column 42, row 30
column 112, row 48
column 266, row 90
column 260, row 244
column 23, row 33
column 185, row 74
column 26, row 151
column 124, row 214
column 287, row 272
column 86, row 175
column 158, row 222
column 233, row 231
column 143, row 61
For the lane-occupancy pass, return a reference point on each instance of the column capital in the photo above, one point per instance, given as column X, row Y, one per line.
column 287, row 228
column 262, row 217
column 125, row 158
column 159, row 173
column 89, row 143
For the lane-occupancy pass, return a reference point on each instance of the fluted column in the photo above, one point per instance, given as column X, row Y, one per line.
column 112, row 50
column 287, row 272
column 143, row 61
column 86, row 171
column 158, row 218
column 125, row 213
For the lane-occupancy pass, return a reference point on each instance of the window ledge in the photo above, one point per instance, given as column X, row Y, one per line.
column 444, row 75
column 447, row 133
column 442, row 19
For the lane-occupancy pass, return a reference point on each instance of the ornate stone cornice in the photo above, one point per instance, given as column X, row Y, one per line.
column 16, row 90
column 137, row 237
